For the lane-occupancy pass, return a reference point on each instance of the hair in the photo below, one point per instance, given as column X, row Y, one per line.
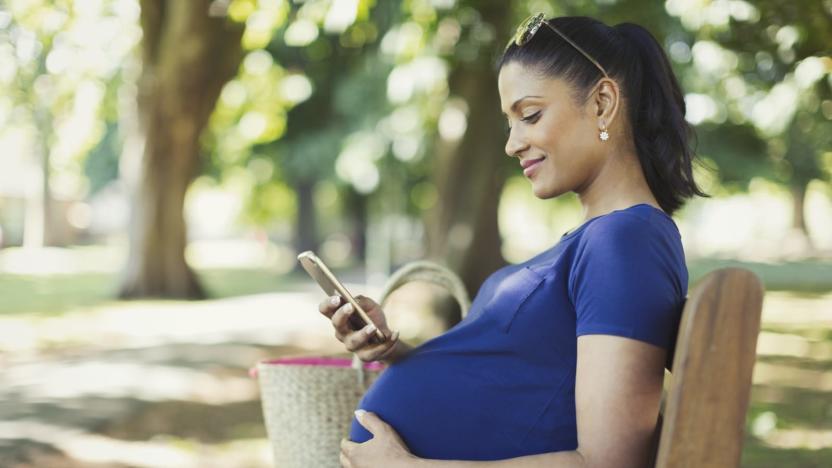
column 653, row 99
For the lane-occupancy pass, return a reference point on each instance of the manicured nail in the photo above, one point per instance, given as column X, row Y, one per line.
column 335, row 300
column 359, row 413
column 348, row 308
column 369, row 329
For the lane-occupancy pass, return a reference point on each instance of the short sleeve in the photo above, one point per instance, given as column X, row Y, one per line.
column 629, row 279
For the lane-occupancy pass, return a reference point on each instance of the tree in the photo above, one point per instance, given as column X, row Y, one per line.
column 189, row 51
column 762, row 66
column 469, row 175
column 53, row 94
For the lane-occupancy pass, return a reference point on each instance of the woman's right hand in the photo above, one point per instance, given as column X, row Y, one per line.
column 338, row 310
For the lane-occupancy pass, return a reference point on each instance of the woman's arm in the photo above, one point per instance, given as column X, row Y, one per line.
column 566, row 459
column 397, row 352
column 387, row 449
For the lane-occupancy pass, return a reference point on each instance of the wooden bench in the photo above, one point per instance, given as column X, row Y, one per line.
column 702, row 422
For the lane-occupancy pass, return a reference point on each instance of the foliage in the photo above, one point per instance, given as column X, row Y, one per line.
column 355, row 94
column 62, row 67
column 763, row 65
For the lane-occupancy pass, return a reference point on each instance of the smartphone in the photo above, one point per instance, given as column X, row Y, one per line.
column 331, row 286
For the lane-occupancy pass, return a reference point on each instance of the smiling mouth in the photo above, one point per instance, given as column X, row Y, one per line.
column 531, row 167
column 529, row 163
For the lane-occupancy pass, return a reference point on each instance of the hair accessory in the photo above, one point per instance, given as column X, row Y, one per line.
column 529, row 27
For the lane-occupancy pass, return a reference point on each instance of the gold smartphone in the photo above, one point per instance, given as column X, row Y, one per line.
column 331, row 286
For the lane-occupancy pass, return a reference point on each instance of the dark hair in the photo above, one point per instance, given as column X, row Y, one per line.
column 656, row 106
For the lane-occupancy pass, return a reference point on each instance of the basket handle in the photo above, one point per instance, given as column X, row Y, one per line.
column 427, row 271
column 430, row 272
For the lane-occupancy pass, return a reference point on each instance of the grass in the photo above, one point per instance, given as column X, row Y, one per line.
column 55, row 294
column 768, row 457
column 809, row 276
column 795, row 409
column 58, row 293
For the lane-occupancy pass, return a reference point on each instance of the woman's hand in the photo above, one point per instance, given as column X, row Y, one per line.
column 339, row 311
column 385, row 449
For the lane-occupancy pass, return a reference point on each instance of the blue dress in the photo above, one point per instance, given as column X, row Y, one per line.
column 501, row 383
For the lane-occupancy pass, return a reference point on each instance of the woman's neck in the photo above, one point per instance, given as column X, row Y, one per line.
column 619, row 184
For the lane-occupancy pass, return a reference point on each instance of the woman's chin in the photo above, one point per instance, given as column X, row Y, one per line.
column 545, row 192
column 541, row 192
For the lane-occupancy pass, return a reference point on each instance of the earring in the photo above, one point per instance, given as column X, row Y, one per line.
column 604, row 135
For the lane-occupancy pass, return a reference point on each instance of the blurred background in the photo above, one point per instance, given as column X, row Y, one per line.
column 163, row 162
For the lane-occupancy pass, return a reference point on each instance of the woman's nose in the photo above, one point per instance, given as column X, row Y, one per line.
column 514, row 144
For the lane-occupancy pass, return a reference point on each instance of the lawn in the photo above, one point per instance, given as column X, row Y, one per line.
column 57, row 293
column 789, row 422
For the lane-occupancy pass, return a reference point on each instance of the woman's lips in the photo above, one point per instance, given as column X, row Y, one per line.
column 529, row 170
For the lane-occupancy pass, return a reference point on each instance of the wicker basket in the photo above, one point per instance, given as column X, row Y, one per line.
column 308, row 402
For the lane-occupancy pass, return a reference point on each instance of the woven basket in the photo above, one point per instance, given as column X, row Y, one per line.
column 308, row 402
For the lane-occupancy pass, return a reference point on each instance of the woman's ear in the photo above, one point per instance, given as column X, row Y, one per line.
column 605, row 102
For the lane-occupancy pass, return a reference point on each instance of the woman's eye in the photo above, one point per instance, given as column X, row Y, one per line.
column 531, row 118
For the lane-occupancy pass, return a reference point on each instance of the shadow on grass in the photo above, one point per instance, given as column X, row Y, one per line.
column 797, row 409
column 815, row 332
column 115, row 412
column 756, row 455
column 794, row 407
column 795, row 361
column 209, row 424
column 25, row 453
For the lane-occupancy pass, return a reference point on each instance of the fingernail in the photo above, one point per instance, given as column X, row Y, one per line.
column 359, row 413
column 395, row 335
column 348, row 308
column 369, row 329
column 334, row 300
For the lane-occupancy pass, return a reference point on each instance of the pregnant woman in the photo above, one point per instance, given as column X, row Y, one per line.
column 560, row 361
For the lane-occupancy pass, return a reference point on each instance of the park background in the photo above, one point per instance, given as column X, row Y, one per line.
column 163, row 162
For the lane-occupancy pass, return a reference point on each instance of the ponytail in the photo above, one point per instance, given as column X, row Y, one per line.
column 661, row 134
column 654, row 101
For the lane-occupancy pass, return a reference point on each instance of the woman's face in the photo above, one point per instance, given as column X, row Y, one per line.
column 548, row 125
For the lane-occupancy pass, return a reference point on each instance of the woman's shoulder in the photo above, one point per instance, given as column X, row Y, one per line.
column 631, row 245
column 636, row 223
column 638, row 234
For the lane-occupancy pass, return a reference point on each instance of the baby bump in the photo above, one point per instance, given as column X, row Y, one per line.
column 446, row 407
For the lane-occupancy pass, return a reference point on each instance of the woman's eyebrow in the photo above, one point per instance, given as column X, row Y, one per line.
column 517, row 102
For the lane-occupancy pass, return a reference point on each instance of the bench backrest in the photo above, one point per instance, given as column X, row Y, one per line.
column 703, row 421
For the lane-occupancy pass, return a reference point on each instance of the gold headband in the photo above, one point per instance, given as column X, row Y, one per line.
column 532, row 24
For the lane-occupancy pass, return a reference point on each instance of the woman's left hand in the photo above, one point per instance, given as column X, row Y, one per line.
column 386, row 448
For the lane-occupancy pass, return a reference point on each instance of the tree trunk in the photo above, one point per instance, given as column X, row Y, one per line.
column 355, row 204
column 798, row 190
column 462, row 228
column 38, row 222
column 37, row 205
column 188, row 55
column 306, row 229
